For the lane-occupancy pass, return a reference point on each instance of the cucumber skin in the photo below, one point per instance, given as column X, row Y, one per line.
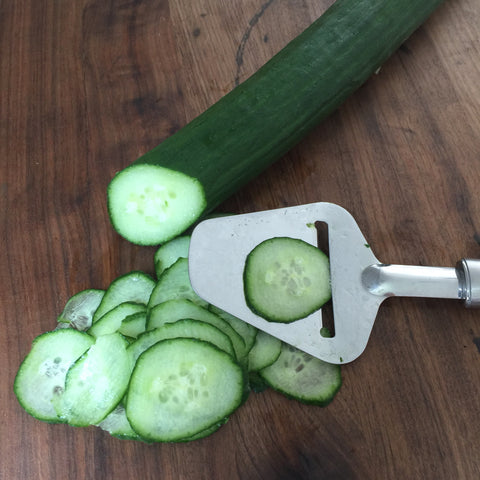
column 260, row 120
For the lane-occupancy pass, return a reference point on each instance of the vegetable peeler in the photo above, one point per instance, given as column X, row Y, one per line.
column 360, row 283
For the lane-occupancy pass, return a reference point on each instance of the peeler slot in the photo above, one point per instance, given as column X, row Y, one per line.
column 327, row 309
column 322, row 236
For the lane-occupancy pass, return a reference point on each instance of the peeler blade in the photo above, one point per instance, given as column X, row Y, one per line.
column 218, row 251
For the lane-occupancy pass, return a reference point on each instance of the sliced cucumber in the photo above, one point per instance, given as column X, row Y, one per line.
column 170, row 252
column 264, row 352
column 134, row 325
column 303, row 377
column 112, row 321
column 286, row 279
column 117, row 425
column 174, row 283
column 41, row 376
column 196, row 387
column 205, row 433
column 149, row 204
column 186, row 328
column 256, row 383
column 131, row 287
column 79, row 309
column 178, row 309
column 96, row 383
column 245, row 330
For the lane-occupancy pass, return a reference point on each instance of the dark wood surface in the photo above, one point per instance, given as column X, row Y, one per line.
column 88, row 86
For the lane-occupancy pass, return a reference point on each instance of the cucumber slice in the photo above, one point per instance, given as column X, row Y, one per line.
column 134, row 325
column 117, row 425
column 96, row 383
column 132, row 287
column 41, row 376
column 149, row 204
column 170, row 252
column 79, row 309
column 174, row 283
column 300, row 376
column 112, row 321
column 186, row 328
column 264, row 352
column 196, row 387
column 286, row 279
column 205, row 433
column 178, row 309
column 256, row 383
column 245, row 330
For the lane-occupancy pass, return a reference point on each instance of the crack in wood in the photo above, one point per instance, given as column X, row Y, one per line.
column 246, row 35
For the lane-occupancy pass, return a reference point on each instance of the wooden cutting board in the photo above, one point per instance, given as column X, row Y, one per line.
column 88, row 86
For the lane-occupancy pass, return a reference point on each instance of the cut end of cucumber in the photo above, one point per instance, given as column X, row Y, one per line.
column 149, row 204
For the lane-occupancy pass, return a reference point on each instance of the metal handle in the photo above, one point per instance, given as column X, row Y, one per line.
column 461, row 282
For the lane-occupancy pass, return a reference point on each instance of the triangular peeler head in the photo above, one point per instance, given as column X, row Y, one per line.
column 219, row 248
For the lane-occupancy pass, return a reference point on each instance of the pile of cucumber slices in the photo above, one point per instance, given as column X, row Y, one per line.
column 149, row 360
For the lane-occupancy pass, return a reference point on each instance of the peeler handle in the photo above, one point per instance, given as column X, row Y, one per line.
column 461, row 282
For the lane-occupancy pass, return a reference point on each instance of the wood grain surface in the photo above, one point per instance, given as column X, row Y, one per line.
column 87, row 86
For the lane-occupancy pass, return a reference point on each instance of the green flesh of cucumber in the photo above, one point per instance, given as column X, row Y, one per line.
column 182, row 328
column 146, row 199
column 264, row 352
column 178, row 309
column 170, row 252
column 41, row 376
column 174, row 402
column 286, row 279
column 302, row 377
column 174, row 283
column 95, row 383
column 131, row 287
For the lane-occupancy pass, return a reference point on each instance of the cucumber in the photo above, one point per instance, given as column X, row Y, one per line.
column 178, row 309
column 256, row 383
column 174, row 283
column 182, row 328
column 41, row 376
column 133, row 325
column 245, row 330
column 131, row 287
column 234, row 140
column 113, row 320
column 197, row 386
column 264, row 352
column 117, row 425
column 300, row 376
column 205, row 433
column 286, row 279
column 96, row 383
column 170, row 252
column 79, row 309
